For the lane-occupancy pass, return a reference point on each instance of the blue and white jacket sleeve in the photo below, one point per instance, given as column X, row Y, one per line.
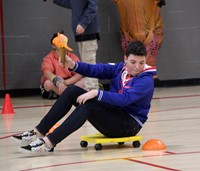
column 101, row 71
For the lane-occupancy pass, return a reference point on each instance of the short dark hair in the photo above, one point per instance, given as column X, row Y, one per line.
column 56, row 34
column 136, row 48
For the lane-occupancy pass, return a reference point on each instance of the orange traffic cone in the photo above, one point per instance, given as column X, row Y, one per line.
column 7, row 106
column 154, row 144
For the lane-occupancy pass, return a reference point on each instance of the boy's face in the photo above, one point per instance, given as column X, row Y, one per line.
column 55, row 48
column 134, row 64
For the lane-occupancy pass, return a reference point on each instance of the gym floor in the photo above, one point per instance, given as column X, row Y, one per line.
column 174, row 119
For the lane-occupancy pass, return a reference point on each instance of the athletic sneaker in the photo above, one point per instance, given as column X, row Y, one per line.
column 37, row 146
column 26, row 137
column 48, row 95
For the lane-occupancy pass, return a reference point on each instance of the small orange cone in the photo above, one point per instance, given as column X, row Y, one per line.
column 154, row 144
column 7, row 106
column 53, row 128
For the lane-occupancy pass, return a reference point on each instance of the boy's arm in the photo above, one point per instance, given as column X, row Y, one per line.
column 48, row 74
column 69, row 63
column 73, row 80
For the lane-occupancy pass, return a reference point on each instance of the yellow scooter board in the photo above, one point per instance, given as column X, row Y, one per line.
column 100, row 139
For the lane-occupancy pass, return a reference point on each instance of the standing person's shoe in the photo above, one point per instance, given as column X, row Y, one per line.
column 37, row 146
column 26, row 138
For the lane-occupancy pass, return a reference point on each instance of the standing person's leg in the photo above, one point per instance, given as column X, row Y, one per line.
column 87, row 50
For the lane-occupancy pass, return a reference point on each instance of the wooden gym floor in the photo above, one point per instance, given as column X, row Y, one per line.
column 174, row 118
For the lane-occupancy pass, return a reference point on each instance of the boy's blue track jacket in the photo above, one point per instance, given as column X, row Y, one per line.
column 134, row 97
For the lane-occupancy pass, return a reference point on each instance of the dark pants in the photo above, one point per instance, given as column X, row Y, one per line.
column 108, row 120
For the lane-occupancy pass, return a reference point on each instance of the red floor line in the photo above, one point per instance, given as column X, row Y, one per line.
column 169, row 152
column 129, row 158
column 151, row 164
column 183, row 108
column 72, row 163
column 56, row 165
column 194, row 152
column 20, row 107
column 34, row 106
column 8, row 136
column 172, row 97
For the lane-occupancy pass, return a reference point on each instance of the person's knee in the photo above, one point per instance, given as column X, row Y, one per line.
column 89, row 106
column 48, row 85
column 81, row 83
column 73, row 91
column 72, row 88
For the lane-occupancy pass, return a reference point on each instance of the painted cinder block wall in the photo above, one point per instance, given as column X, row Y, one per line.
column 29, row 24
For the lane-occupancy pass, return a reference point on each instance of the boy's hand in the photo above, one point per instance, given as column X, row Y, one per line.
column 87, row 96
column 69, row 63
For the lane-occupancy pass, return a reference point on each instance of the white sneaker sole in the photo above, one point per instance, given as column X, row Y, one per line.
column 30, row 153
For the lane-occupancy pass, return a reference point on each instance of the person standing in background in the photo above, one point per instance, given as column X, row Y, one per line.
column 141, row 20
column 85, row 26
